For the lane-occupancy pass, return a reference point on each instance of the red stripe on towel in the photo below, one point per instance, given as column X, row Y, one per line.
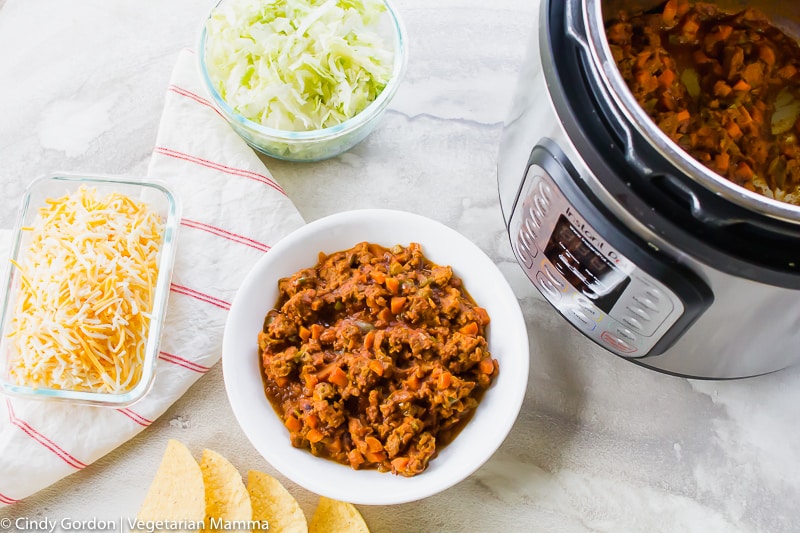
column 136, row 417
column 249, row 174
column 225, row 234
column 197, row 98
column 180, row 289
column 44, row 441
column 185, row 363
column 7, row 500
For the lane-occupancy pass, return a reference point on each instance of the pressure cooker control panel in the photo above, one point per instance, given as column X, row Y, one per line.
column 592, row 284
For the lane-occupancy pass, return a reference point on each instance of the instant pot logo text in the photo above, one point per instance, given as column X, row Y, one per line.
column 591, row 237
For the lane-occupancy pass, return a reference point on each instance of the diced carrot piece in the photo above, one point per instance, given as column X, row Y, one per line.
column 335, row 445
column 338, row 377
column 683, row 115
column 741, row 85
column 753, row 74
column 647, row 81
column 399, row 463
column 670, row 11
column 744, row 172
column 316, row 331
column 373, row 444
column 733, row 130
column 723, row 32
column 788, row 71
column 281, row 381
column 722, row 89
column 311, row 381
column 666, row 78
column 722, row 162
column 325, row 371
column 700, row 57
column 375, row 249
column 292, row 424
column 483, row 314
column 375, row 457
column 642, row 57
column 469, row 329
column 369, row 339
column 312, row 421
column 377, row 276
column 393, row 285
column 314, row 435
column 690, row 27
column 355, row 458
column 376, row 366
column 744, row 116
column 413, row 382
column 385, row 315
column 444, row 381
column 397, row 304
column 487, row 366
column 304, row 333
column 767, row 55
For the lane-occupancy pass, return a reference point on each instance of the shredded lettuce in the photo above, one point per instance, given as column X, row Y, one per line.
column 297, row 65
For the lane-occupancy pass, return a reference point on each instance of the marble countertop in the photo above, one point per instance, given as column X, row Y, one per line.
column 600, row 444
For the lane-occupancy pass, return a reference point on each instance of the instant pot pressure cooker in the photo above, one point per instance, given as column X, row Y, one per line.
column 641, row 248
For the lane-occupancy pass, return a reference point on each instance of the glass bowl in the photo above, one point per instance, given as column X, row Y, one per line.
column 158, row 199
column 315, row 145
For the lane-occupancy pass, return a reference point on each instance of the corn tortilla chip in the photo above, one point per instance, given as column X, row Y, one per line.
column 273, row 503
column 333, row 516
column 176, row 492
column 227, row 500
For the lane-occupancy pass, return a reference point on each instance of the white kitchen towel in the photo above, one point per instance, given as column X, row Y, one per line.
column 233, row 211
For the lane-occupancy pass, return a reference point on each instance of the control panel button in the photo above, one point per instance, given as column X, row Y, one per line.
column 654, row 294
column 588, row 307
column 581, row 320
column 554, row 276
column 626, row 334
column 617, row 343
column 547, row 287
column 541, row 205
column 546, row 192
column 533, row 222
column 646, row 303
column 635, row 324
column 640, row 313
column 526, row 248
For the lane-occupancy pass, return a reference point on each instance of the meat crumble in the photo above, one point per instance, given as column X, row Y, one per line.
column 375, row 357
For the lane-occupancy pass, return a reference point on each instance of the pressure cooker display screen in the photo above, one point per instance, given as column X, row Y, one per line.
column 584, row 266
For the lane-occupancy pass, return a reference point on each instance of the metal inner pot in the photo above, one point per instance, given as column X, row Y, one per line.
column 782, row 14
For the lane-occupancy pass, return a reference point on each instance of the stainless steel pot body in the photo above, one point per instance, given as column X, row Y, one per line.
column 701, row 320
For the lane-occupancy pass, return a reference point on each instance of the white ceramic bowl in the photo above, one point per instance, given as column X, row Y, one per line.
column 507, row 337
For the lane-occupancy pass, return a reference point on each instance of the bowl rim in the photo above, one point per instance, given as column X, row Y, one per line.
column 166, row 259
column 331, row 479
column 332, row 132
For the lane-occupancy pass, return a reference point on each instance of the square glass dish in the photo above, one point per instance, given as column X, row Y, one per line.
column 85, row 289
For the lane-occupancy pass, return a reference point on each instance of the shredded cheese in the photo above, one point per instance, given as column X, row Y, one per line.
column 83, row 313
